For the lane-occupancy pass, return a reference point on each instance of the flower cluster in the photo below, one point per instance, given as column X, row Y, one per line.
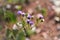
column 26, row 25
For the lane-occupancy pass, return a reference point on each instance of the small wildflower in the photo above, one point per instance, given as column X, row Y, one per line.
column 19, row 12
column 15, row 27
column 28, row 21
column 31, row 22
column 23, row 14
column 28, row 16
column 40, row 16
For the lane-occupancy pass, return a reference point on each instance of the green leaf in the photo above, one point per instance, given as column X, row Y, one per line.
column 20, row 36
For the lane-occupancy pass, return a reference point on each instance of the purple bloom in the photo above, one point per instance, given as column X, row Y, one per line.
column 40, row 16
column 28, row 21
column 31, row 22
column 22, row 13
column 19, row 12
column 29, row 16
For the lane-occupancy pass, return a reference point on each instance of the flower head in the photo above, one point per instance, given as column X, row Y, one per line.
column 29, row 16
column 23, row 14
column 40, row 16
column 31, row 22
column 19, row 12
column 28, row 21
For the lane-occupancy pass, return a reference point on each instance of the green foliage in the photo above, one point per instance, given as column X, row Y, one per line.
column 12, row 1
column 20, row 36
column 29, row 33
column 7, row 33
column 15, row 32
column 10, row 17
column 1, row 11
column 1, row 27
column 22, row 1
column 44, row 11
column 1, row 14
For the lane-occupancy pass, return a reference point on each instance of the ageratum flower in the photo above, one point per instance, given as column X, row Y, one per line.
column 39, row 16
column 19, row 12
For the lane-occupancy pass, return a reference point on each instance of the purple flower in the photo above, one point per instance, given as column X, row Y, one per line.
column 40, row 16
column 28, row 21
column 31, row 22
column 23, row 14
column 19, row 12
column 29, row 16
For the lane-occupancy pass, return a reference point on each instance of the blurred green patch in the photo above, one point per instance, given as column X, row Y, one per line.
column 21, row 1
column 44, row 11
column 29, row 32
column 20, row 35
column 1, row 27
column 12, row 1
column 1, row 14
column 10, row 17
column 18, row 7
